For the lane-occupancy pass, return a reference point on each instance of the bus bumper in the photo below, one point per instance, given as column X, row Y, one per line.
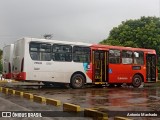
column 19, row 76
column 7, row 76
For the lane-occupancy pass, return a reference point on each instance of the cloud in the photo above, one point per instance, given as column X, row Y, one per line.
column 72, row 20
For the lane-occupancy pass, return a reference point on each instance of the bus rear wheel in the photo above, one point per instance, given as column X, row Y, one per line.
column 77, row 81
column 137, row 81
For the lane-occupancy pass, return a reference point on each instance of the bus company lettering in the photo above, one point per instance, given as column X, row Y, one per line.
column 122, row 78
column 36, row 68
column 37, row 62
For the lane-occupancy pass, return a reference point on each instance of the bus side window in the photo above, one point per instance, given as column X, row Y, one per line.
column 138, row 58
column 81, row 54
column 127, row 57
column 35, row 56
column 114, row 56
column 62, row 52
column 34, row 51
column 45, row 52
column 40, row 51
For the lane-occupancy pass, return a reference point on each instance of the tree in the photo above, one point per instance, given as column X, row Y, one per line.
column 143, row 33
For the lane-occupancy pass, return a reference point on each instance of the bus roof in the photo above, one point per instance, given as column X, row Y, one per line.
column 55, row 41
column 124, row 48
column 11, row 45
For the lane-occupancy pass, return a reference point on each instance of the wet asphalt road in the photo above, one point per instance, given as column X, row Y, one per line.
column 102, row 99
column 14, row 104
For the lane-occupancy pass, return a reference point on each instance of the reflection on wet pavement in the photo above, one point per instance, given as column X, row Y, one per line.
column 104, row 99
column 126, row 98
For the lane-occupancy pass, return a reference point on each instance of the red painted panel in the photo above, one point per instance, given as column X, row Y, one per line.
column 120, row 73
column 7, row 76
column 20, row 76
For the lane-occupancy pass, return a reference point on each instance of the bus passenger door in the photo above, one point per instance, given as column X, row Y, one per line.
column 151, row 67
column 100, row 66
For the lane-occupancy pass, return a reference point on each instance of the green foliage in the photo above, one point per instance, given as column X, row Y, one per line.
column 1, row 54
column 143, row 33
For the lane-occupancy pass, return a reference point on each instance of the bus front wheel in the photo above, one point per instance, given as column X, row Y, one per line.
column 77, row 81
column 137, row 81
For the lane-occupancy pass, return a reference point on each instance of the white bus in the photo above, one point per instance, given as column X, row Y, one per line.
column 51, row 61
column 7, row 61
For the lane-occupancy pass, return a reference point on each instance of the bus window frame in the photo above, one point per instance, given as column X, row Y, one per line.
column 39, row 50
column 70, row 53
column 120, row 60
column 127, row 57
column 143, row 57
column 81, row 54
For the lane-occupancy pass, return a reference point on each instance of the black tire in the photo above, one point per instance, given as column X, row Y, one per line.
column 136, row 81
column 77, row 81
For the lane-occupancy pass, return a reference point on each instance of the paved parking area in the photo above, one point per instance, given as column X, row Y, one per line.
column 102, row 99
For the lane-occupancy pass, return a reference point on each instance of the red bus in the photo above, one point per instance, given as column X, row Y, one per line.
column 116, row 65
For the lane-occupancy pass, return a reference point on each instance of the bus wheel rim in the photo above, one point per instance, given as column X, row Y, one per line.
column 78, row 81
column 137, row 81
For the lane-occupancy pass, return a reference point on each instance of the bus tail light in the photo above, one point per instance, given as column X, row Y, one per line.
column 19, row 76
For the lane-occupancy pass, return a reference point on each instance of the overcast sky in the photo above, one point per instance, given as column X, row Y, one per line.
column 72, row 20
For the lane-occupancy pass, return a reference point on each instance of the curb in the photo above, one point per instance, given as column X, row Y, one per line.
column 53, row 102
column 71, row 107
column 28, row 96
column 95, row 114
column 5, row 90
column 11, row 91
column 39, row 99
column 19, row 93
column 1, row 89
